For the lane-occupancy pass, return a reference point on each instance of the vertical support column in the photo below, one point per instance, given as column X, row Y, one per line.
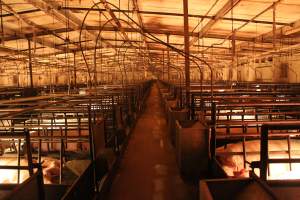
column 91, row 140
column 135, row 71
column 95, row 71
column 213, row 130
column 187, row 51
column 101, row 64
column 233, row 47
column 163, row 65
column 28, row 151
column 264, row 152
column 193, row 107
column 132, row 72
column 30, row 63
column 168, row 57
column 274, row 25
column 74, row 67
column 2, row 28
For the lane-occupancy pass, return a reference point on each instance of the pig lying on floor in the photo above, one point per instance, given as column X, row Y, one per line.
column 51, row 170
column 233, row 165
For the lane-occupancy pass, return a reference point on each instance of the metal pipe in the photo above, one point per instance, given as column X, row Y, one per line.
column 163, row 65
column 180, row 72
column 186, row 51
column 168, row 57
column 274, row 25
column 30, row 63
column 2, row 28
column 75, row 74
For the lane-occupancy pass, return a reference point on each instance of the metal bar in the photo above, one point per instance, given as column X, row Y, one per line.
column 79, row 130
column 2, row 28
column 284, row 160
column 20, row 12
column 233, row 44
column 244, row 152
column 186, row 51
column 274, row 25
column 264, row 152
column 66, row 129
column 90, row 134
column 163, row 65
column 74, row 67
column 19, row 158
column 51, row 132
column 41, row 189
column 256, row 119
column 11, row 167
column 39, row 143
column 180, row 91
column 61, row 154
column 213, row 130
column 29, row 152
column 289, row 149
column 168, row 57
column 193, row 113
column 30, row 63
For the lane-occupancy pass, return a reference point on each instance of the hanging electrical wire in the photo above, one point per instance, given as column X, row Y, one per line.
column 206, row 14
column 242, row 26
column 191, row 57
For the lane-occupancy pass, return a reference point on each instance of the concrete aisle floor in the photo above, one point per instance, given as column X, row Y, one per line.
column 148, row 169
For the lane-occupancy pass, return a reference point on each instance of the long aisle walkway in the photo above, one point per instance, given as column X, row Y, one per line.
column 148, row 169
